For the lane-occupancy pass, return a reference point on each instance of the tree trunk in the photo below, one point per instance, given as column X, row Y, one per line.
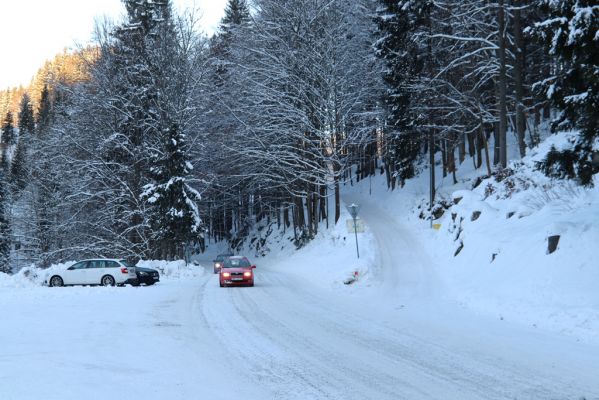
column 462, row 148
column 323, row 203
column 496, row 150
column 486, row 146
column 286, row 221
column 309, row 213
column 431, row 154
column 479, row 144
column 502, row 82
column 451, row 164
column 444, row 156
column 278, row 211
column 519, row 66
column 337, row 197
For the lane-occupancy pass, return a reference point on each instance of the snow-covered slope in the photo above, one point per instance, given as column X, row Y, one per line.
column 503, row 268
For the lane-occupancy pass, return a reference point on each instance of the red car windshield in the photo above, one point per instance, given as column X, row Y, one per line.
column 236, row 263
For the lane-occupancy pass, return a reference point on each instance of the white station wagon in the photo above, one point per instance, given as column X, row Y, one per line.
column 106, row 272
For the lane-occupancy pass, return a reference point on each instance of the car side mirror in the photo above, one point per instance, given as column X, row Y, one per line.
column 253, row 266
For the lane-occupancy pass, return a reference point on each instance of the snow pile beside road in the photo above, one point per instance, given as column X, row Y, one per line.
column 172, row 269
column 329, row 260
column 18, row 280
column 34, row 276
column 31, row 276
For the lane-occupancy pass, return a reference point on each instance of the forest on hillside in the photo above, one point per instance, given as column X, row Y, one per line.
column 158, row 138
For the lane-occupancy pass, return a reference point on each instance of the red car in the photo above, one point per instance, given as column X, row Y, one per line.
column 236, row 271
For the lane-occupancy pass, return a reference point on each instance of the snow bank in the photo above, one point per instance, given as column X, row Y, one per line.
column 172, row 269
column 505, row 268
column 31, row 276
column 329, row 260
column 34, row 276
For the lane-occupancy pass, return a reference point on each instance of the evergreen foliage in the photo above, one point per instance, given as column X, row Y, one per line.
column 5, row 233
column 570, row 34
column 26, row 117
column 9, row 136
column 44, row 111
column 237, row 13
column 398, row 22
column 18, row 167
column 175, row 219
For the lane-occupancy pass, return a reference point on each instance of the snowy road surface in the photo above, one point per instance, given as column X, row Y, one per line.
column 285, row 338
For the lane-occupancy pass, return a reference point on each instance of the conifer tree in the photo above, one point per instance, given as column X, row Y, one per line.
column 18, row 167
column 139, row 90
column 397, row 23
column 570, row 34
column 135, row 72
column 18, row 171
column 8, row 130
column 4, row 223
column 175, row 218
column 26, row 118
column 237, row 13
column 44, row 111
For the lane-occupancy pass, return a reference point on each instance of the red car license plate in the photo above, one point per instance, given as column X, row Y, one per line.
column 237, row 279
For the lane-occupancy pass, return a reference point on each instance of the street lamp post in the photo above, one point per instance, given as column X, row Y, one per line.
column 353, row 211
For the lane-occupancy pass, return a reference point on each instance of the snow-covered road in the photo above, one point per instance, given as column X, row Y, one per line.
column 285, row 338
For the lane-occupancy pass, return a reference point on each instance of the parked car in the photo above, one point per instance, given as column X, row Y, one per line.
column 148, row 276
column 236, row 271
column 106, row 272
column 218, row 261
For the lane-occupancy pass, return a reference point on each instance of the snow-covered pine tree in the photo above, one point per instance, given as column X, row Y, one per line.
column 133, row 75
column 175, row 219
column 397, row 23
column 570, row 33
column 9, row 136
column 18, row 167
column 26, row 117
column 4, row 223
column 237, row 13
column 142, row 82
column 44, row 111
column 18, row 171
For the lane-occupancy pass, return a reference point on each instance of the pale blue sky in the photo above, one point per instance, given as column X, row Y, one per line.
column 32, row 31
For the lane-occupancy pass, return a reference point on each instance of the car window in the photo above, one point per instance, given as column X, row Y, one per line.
column 96, row 264
column 236, row 263
column 126, row 264
column 221, row 257
column 79, row 265
column 112, row 264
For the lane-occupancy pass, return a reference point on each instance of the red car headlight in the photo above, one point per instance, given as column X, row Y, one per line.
column 226, row 274
column 247, row 274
